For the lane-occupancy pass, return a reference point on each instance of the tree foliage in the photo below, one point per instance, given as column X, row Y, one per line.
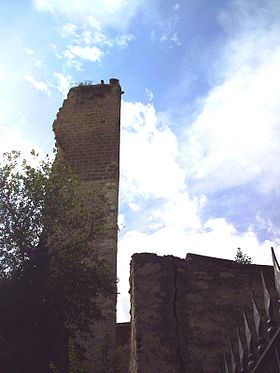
column 50, row 275
column 242, row 258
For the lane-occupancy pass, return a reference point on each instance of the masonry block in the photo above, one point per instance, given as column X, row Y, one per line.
column 87, row 134
column 184, row 312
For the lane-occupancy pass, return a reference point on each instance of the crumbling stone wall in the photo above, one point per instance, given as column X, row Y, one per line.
column 87, row 133
column 122, row 348
column 184, row 312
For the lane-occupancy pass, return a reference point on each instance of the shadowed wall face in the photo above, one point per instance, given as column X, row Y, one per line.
column 185, row 312
column 87, row 133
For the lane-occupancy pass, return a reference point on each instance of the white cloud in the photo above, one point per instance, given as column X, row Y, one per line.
column 76, row 54
column 88, row 39
column 85, row 53
column 29, row 51
column 92, row 29
column 40, row 86
column 123, row 40
column 39, row 63
column 111, row 13
column 91, row 45
column 149, row 149
column 121, row 221
column 180, row 211
column 235, row 139
column 13, row 139
column 149, row 94
column 171, row 37
column 169, row 34
column 175, row 39
column 95, row 37
column 69, row 29
column 64, row 83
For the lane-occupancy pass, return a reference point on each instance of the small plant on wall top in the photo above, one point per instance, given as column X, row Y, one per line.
column 242, row 258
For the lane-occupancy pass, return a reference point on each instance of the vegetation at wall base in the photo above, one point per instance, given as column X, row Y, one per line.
column 50, row 275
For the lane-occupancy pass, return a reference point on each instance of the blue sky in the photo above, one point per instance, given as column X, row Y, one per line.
column 200, row 143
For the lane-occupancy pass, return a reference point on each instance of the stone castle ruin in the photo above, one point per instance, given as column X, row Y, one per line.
column 184, row 312
column 87, row 134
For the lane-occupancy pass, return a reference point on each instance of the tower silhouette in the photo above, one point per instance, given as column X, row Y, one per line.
column 87, row 133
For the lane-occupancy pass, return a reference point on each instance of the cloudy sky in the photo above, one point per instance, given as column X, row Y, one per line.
column 200, row 143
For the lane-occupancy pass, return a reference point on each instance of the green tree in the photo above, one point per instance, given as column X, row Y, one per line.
column 50, row 275
column 242, row 258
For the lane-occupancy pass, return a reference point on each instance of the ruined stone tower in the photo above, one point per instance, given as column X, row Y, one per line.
column 87, row 133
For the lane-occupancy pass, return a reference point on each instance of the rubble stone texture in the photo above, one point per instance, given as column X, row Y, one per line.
column 87, row 134
column 184, row 312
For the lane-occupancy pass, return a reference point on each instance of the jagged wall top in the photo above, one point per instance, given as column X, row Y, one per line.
column 87, row 130
column 87, row 91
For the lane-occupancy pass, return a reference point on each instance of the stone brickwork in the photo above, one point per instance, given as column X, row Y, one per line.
column 184, row 312
column 87, row 134
column 122, row 348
